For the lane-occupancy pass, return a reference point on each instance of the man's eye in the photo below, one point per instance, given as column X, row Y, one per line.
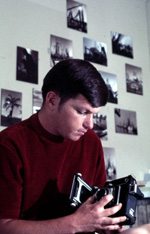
column 81, row 112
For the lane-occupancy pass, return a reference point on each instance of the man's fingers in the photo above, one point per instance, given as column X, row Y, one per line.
column 113, row 221
column 102, row 203
column 112, row 210
column 105, row 200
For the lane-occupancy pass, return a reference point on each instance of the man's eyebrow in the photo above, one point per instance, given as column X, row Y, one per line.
column 87, row 111
column 83, row 109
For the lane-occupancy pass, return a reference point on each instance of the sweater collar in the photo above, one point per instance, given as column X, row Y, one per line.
column 42, row 131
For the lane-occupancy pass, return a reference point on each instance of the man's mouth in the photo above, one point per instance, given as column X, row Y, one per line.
column 81, row 132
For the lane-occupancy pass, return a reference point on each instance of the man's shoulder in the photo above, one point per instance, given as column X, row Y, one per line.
column 16, row 129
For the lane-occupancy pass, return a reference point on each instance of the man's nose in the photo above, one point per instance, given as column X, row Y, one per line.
column 88, row 123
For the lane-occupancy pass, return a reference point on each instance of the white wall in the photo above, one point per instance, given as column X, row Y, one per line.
column 28, row 24
column 148, row 20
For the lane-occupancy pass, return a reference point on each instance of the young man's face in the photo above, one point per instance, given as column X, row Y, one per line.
column 74, row 118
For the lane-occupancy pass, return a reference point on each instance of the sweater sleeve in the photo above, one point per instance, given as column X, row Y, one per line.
column 10, row 180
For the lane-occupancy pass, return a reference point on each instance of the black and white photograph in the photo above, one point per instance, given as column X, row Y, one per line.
column 100, row 126
column 11, row 107
column 125, row 122
column 60, row 49
column 37, row 100
column 110, row 163
column 77, row 16
column 95, row 51
column 27, row 65
column 111, row 82
column 122, row 45
column 134, row 81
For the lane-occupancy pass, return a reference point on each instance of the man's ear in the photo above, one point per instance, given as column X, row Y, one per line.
column 52, row 100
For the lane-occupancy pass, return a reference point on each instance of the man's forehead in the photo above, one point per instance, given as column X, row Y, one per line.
column 81, row 102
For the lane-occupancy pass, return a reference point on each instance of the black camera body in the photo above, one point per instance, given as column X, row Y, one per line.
column 124, row 190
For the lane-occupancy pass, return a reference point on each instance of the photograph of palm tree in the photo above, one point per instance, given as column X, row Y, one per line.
column 11, row 107
column 95, row 51
column 122, row 44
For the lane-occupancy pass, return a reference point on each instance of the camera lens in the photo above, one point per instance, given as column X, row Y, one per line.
column 100, row 193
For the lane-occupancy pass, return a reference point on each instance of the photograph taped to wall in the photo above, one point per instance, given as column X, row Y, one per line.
column 111, row 82
column 122, row 44
column 134, row 81
column 11, row 104
column 37, row 100
column 27, row 65
column 95, row 51
column 125, row 122
column 77, row 16
column 110, row 163
column 100, row 126
column 60, row 49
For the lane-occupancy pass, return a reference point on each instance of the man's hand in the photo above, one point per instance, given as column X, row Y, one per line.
column 93, row 217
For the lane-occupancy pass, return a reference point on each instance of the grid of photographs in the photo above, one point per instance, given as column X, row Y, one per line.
column 93, row 51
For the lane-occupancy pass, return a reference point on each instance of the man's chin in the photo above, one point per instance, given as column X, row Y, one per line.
column 74, row 138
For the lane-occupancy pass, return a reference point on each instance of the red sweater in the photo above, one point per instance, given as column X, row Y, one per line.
column 37, row 169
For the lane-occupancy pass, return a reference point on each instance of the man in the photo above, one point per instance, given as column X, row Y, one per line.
column 39, row 157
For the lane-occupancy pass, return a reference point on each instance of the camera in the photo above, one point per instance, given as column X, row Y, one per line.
column 124, row 190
